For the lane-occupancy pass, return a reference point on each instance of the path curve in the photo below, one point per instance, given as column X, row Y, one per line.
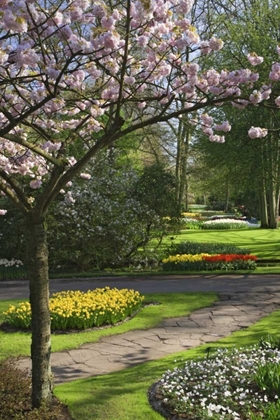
column 232, row 312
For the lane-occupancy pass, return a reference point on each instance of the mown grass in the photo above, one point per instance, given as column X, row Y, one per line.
column 123, row 395
column 171, row 305
column 264, row 243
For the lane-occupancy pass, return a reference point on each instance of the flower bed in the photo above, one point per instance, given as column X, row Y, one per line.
column 190, row 262
column 10, row 269
column 79, row 310
column 227, row 224
column 236, row 384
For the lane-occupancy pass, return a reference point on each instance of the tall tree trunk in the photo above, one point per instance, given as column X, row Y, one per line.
column 273, row 181
column 37, row 265
column 183, row 139
column 263, row 206
column 227, row 196
column 273, row 203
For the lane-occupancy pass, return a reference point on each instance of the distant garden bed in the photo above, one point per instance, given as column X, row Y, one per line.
column 192, row 256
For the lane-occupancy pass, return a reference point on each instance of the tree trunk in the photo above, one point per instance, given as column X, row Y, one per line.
column 37, row 265
column 272, row 208
column 183, row 139
column 227, row 196
column 263, row 207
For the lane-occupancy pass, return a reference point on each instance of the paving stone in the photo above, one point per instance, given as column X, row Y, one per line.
column 113, row 353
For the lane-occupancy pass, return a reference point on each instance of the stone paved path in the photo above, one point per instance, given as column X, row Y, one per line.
column 232, row 312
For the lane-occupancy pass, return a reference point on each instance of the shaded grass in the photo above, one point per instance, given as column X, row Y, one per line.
column 123, row 395
column 171, row 305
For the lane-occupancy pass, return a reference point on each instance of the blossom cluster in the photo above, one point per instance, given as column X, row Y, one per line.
column 79, row 310
column 223, row 387
column 64, row 65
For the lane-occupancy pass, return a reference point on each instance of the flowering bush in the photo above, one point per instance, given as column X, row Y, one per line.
column 105, row 219
column 209, row 262
column 79, row 310
column 224, row 387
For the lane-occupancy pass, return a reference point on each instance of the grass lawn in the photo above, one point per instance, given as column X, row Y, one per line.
column 123, row 395
column 264, row 243
column 171, row 305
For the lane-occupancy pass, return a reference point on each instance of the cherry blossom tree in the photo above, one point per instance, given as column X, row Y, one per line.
column 69, row 72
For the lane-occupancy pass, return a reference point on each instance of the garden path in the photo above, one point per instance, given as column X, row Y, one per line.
column 233, row 311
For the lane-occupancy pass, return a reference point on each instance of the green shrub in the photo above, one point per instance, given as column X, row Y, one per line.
column 188, row 247
column 270, row 342
column 191, row 223
column 267, row 378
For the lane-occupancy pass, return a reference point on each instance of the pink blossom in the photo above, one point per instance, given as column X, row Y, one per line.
column 217, row 139
column 240, row 103
column 36, row 183
column 274, row 75
column 85, row 175
column 129, row 80
column 205, row 48
column 213, row 77
column 141, row 105
column 107, row 22
column 14, row 23
column 215, row 44
column 72, row 161
column 183, row 6
column 2, row 212
column 225, row 126
column 57, row 19
column 254, row 59
column 206, row 120
column 255, row 97
column 143, row 40
column 277, row 101
column 257, row 132
column 208, row 131
column 266, row 92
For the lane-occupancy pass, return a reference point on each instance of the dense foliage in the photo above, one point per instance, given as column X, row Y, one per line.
column 188, row 247
column 15, row 397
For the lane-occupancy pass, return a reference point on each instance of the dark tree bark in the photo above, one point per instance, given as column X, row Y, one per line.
column 37, row 265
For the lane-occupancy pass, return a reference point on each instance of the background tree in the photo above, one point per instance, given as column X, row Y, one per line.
column 248, row 27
